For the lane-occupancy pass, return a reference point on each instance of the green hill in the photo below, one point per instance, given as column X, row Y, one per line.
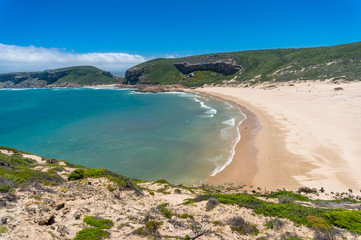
column 62, row 77
column 334, row 62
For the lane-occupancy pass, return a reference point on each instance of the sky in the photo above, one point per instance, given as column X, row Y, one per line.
column 115, row 35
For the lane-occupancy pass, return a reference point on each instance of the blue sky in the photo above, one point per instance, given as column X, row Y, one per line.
column 147, row 29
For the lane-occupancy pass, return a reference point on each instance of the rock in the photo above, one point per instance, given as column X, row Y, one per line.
column 4, row 220
column 59, row 206
column 46, row 220
column 307, row 190
column 77, row 215
column 134, row 75
column 227, row 67
column 63, row 230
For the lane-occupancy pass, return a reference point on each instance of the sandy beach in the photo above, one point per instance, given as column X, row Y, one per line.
column 296, row 134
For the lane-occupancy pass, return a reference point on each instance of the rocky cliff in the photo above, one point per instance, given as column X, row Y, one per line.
column 134, row 75
column 63, row 77
column 224, row 67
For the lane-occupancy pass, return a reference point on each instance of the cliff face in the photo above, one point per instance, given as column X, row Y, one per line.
column 167, row 71
column 133, row 75
column 225, row 68
column 72, row 76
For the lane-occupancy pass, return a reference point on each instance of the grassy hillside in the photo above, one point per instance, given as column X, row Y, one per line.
column 70, row 76
column 341, row 61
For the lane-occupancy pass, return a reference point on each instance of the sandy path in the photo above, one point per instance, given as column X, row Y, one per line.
column 310, row 135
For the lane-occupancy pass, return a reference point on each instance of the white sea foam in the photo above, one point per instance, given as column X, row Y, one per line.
column 233, row 151
column 230, row 122
column 229, row 106
column 210, row 111
column 15, row 89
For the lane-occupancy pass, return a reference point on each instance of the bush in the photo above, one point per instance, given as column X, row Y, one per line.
column 351, row 220
column 212, row 203
column 76, row 174
column 162, row 208
column 238, row 224
column 274, row 224
column 98, row 223
column 91, row 234
column 290, row 236
column 318, row 223
column 150, row 229
column 286, row 199
column 291, row 195
column 162, row 181
column 325, row 234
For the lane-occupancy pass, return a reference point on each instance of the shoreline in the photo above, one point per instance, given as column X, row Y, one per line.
column 309, row 136
column 245, row 167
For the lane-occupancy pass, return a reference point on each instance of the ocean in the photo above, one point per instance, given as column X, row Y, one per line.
column 181, row 137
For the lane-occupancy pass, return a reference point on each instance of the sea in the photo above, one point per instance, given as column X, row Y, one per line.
column 179, row 136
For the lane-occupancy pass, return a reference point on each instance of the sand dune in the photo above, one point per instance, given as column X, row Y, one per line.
column 310, row 135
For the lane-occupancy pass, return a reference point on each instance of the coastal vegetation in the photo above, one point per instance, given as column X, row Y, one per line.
column 56, row 194
column 341, row 62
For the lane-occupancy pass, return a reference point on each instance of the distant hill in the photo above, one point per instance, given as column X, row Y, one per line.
column 334, row 62
column 62, row 77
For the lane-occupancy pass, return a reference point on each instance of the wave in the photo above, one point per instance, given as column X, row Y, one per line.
column 210, row 111
column 233, row 151
column 17, row 89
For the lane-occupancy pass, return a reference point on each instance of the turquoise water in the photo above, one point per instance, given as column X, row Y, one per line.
column 182, row 137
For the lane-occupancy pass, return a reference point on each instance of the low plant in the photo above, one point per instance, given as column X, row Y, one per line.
column 338, row 89
column 98, row 223
column 318, row 223
column 76, row 175
column 238, row 224
column 164, row 211
column 150, row 229
column 329, row 234
column 274, row 224
column 212, row 203
column 91, row 234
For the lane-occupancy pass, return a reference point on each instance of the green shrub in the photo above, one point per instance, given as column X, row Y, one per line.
column 98, row 223
column 350, row 220
column 238, row 224
column 166, row 213
column 150, row 229
column 162, row 181
column 318, row 223
column 76, row 174
column 292, row 195
column 212, row 203
column 91, row 234
column 274, row 224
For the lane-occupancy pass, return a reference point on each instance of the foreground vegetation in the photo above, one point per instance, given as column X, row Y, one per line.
column 334, row 62
column 65, row 200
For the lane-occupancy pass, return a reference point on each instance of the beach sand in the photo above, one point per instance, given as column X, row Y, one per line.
column 306, row 134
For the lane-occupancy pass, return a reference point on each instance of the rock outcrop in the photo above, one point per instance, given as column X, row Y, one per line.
column 223, row 67
column 134, row 75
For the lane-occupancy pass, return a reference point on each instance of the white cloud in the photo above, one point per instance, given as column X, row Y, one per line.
column 18, row 59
